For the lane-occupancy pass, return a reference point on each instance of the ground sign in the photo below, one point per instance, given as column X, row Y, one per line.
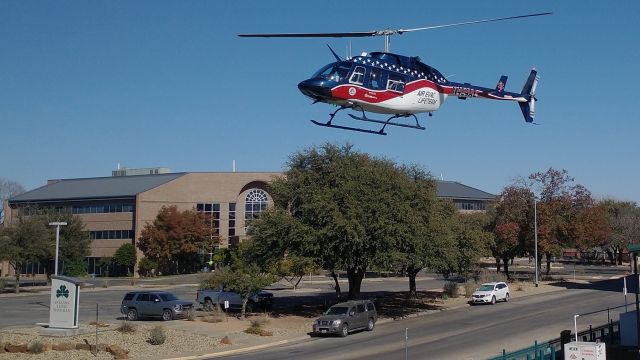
column 65, row 298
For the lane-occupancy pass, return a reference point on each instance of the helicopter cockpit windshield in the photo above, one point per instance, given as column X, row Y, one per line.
column 337, row 71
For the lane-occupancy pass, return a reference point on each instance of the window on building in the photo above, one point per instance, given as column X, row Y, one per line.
column 102, row 208
column 212, row 212
column 254, row 204
column 111, row 234
column 232, row 219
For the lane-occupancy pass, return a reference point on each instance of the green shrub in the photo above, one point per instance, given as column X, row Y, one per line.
column 126, row 328
column 469, row 288
column 146, row 267
column 253, row 330
column 451, row 289
column 75, row 268
column 2, row 285
column 157, row 336
column 36, row 347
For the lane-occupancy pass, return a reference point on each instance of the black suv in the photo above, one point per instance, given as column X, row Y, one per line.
column 139, row 304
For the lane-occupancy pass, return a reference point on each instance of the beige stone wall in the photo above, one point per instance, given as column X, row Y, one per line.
column 187, row 191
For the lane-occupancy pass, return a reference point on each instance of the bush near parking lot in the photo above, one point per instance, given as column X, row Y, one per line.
column 157, row 336
column 451, row 289
column 469, row 288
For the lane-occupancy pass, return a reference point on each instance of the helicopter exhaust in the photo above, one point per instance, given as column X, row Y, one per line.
column 529, row 93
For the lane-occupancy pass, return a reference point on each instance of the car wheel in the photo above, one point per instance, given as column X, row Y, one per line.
column 370, row 324
column 208, row 305
column 345, row 330
column 506, row 298
column 132, row 315
column 167, row 315
column 493, row 300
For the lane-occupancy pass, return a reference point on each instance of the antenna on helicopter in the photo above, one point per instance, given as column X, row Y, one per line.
column 387, row 33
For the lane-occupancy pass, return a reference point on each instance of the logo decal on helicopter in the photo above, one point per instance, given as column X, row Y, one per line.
column 352, row 91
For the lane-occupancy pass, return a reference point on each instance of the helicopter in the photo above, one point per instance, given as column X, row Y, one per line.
column 397, row 85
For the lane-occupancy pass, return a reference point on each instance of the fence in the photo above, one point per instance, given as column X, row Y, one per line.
column 552, row 350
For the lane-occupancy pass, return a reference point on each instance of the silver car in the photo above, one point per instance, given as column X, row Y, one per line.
column 345, row 317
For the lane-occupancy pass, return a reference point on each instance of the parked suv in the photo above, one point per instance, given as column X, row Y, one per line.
column 490, row 293
column 345, row 317
column 139, row 304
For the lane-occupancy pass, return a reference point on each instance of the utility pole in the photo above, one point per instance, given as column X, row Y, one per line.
column 57, row 224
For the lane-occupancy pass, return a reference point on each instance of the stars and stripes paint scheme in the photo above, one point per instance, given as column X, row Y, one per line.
column 388, row 83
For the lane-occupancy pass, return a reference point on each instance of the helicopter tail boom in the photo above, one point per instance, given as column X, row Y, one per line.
column 529, row 93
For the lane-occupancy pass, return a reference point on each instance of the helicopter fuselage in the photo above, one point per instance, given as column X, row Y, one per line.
column 387, row 83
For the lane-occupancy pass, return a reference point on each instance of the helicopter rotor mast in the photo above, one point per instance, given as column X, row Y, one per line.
column 387, row 33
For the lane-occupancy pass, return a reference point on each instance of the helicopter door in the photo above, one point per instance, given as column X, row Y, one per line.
column 357, row 76
column 377, row 79
column 396, row 83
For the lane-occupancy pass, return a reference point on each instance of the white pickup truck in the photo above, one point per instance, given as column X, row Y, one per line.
column 208, row 298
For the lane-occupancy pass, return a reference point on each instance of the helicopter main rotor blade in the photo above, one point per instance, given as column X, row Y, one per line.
column 400, row 31
column 313, row 35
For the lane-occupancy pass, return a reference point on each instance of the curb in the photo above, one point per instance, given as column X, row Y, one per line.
column 240, row 350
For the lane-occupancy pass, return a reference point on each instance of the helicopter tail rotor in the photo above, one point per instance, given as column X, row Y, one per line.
column 529, row 93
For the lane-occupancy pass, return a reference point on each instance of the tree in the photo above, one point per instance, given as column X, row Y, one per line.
column 125, row 256
column 292, row 269
column 425, row 239
column 243, row 279
column 343, row 207
column 24, row 241
column 472, row 241
column 561, row 200
column 8, row 189
column 512, row 224
column 74, row 244
column 591, row 227
column 175, row 237
column 624, row 222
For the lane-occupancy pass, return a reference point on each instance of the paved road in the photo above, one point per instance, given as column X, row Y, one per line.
column 29, row 309
column 476, row 332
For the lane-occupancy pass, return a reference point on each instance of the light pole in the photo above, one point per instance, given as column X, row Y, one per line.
column 57, row 224
column 535, row 235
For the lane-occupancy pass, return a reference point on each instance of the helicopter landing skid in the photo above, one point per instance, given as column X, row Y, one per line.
column 365, row 118
column 389, row 122
column 328, row 124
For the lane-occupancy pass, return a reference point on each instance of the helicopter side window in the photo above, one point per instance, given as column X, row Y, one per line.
column 395, row 83
column 357, row 77
column 375, row 79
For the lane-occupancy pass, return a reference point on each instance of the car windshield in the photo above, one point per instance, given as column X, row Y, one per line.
column 337, row 310
column 168, row 297
column 486, row 288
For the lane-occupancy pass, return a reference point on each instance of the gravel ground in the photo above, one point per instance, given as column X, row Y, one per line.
column 177, row 343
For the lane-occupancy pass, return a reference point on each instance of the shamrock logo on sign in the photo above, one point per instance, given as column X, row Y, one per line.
column 63, row 291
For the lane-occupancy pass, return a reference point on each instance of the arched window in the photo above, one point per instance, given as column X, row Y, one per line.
column 254, row 203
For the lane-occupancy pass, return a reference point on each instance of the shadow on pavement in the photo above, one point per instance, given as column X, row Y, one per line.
column 389, row 304
column 613, row 285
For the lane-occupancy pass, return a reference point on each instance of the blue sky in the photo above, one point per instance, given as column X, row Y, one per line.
column 85, row 85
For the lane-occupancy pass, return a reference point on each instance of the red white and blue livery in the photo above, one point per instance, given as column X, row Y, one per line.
column 397, row 85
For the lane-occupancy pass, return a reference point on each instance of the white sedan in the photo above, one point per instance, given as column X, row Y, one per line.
column 490, row 293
